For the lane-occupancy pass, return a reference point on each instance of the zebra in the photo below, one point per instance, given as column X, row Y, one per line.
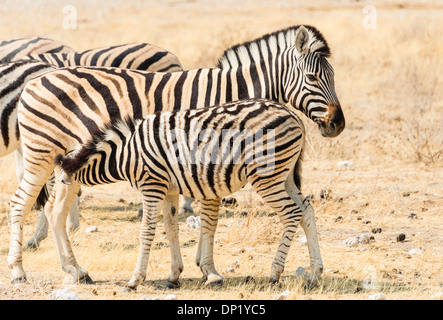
column 62, row 109
column 16, row 49
column 137, row 56
column 205, row 154
column 14, row 76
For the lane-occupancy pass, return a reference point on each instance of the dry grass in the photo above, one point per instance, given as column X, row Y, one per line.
column 389, row 83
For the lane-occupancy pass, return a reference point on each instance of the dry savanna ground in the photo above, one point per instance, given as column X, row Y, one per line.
column 389, row 80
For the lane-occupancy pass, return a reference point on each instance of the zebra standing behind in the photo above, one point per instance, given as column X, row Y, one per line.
column 16, row 49
column 14, row 75
column 207, row 154
column 289, row 66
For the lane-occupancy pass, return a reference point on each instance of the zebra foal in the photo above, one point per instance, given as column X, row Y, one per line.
column 206, row 154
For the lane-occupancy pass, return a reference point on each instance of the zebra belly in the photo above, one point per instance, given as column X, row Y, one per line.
column 207, row 181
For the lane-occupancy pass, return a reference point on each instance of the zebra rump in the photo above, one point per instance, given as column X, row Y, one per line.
column 74, row 161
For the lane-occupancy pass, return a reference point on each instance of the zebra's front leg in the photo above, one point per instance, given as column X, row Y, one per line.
column 205, row 251
column 152, row 202
column 170, row 216
column 57, row 209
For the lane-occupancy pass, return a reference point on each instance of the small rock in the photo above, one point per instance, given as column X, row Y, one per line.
column 415, row 251
column 302, row 240
column 282, row 296
column 376, row 230
column 145, row 297
column 339, row 219
column 355, row 241
column 346, row 164
column 401, row 237
column 300, row 272
column 171, row 297
column 63, row 294
column 366, row 221
column 377, row 296
column 231, row 270
column 193, row 222
column 412, row 216
column 92, row 229
column 406, row 194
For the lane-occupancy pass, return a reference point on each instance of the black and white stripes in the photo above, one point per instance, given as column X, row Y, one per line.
column 77, row 102
column 205, row 154
column 16, row 49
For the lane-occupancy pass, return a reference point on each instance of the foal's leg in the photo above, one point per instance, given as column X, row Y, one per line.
column 152, row 202
column 309, row 226
column 170, row 216
column 290, row 215
column 205, row 251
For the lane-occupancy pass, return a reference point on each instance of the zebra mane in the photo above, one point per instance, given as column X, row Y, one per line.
column 100, row 142
column 240, row 53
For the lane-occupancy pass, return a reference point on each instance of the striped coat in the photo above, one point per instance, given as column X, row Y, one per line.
column 205, row 154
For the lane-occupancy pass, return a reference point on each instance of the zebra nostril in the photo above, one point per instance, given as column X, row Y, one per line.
column 332, row 125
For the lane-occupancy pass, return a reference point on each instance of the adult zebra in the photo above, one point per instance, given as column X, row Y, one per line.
column 14, row 76
column 256, row 141
column 289, row 66
column 16, row 49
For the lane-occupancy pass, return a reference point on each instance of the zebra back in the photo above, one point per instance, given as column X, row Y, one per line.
column 16, row 49
column 13, row 78
column 136, row 56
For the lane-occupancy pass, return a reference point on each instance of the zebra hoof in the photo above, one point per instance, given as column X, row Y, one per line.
column 214, row 280
column 86, row 279
column 172, row 285
column 129, row 289
column 19, row 280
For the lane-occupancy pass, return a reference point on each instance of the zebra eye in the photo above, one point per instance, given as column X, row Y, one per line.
column 311, row 77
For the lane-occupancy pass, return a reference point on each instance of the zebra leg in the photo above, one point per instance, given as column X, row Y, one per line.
column 152, row 202
column 309, row 226
column 289, row 213
column 57, row 208
column 73, row 222
column 205, row 252
column 41, row 231
column 170, row 216
column 21, row 204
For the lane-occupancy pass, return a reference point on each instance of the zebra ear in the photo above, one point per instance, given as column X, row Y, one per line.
column 301, row 40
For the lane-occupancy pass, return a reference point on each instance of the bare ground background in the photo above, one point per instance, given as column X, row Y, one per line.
column 389, row 81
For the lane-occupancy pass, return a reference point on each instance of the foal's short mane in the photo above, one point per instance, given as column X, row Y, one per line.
column 321, row 46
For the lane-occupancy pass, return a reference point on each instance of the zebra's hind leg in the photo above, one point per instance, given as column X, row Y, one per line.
column 57, row 208
column 152, row 202
column 309, row 226
column 170, row 216
column 290, row 215
column 205, row 251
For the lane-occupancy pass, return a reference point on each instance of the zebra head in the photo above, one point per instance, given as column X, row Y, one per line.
column 310, row 84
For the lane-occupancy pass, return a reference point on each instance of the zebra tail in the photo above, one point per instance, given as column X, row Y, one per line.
column 297, row 171
column 41, row 199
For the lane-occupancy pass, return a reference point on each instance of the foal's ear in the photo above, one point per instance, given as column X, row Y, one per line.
column 301, row 40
